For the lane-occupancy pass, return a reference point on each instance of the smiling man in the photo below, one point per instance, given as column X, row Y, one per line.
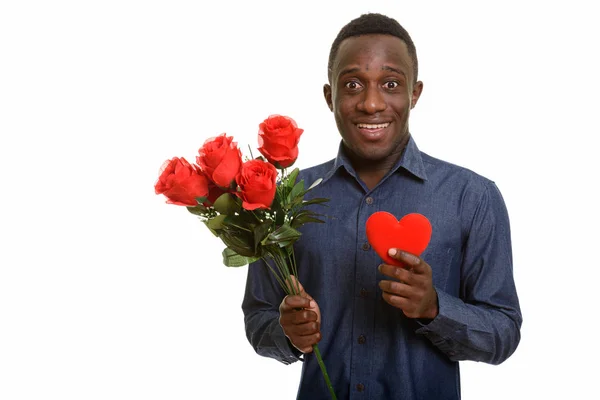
column 372, row 89
column 388, row 332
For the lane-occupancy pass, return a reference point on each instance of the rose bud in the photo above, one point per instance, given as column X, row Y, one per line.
column 220, row 159
column 181, row 182
column 257, row 183
column 278, row 138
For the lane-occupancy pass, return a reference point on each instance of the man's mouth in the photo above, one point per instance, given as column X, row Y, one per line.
column 372, row 132
column 373, row 127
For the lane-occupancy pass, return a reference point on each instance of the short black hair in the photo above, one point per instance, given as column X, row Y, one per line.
column 373, row 23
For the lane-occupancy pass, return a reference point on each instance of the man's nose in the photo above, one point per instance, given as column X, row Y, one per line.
column 373, row 101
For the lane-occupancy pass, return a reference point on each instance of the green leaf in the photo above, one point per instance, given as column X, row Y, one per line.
column 216, row 222
column 202, row 200
column 304, row 217
column 238, row 243
column 296, row 190
column 213, row 231
column 316, row 200
column 282, row 236
column 299, row 202
column 260, row 232
column 233, row 259
column 226, row 204
column 291, row 178
column 198, row 210
column 244, row 221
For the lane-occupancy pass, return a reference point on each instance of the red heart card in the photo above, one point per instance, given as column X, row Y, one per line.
column 411, row 234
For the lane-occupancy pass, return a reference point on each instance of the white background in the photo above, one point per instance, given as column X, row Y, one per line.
column 106, row 292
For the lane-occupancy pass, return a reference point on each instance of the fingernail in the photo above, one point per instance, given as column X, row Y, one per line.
column 311, row 304
column 392, row 252
column 379, row 267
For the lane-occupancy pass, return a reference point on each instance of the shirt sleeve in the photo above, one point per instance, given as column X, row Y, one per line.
column 484, row 323
column 261, row 315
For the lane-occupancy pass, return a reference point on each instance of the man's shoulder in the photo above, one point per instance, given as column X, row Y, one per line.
column 441, row 170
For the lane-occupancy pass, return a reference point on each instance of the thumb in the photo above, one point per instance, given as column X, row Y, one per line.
column 298, row 289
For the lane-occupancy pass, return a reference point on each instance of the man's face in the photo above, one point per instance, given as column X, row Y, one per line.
column 371, row 94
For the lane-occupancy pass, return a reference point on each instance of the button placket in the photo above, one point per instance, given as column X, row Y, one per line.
column 363, row 322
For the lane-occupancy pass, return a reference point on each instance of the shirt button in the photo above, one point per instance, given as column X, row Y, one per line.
column 369, row 200
column 366, row 246
column 363, row 292
column 360, row 387
column 362, row 339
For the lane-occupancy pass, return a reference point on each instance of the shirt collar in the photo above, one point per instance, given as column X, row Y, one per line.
column 410, row 160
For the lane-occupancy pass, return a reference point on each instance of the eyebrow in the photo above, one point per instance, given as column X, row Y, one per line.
column 349, row 70
column 396, row 70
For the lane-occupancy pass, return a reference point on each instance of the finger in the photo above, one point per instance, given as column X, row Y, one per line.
column 303, row 317
column 396, row 288
column 291, row 302
column 409, row 260
column 305, row 343
column 398, row 301
column 388, row 270
column 399, row 273
column 297, row 317
column 408, row 307
column 305, row 329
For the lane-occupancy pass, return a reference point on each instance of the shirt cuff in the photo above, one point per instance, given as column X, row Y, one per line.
column 440, row 329
column 289, row 354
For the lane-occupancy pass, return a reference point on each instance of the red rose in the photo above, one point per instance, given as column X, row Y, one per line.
column 181, row 182
column 220, row 159
column 257, row 183
column 278, row 138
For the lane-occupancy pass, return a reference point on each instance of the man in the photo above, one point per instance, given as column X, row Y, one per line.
column 388, row 332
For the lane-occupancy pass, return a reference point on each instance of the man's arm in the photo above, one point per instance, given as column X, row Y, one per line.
column 484, row 323
column 261, row 315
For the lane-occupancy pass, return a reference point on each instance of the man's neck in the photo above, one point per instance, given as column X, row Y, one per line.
column 371, row 172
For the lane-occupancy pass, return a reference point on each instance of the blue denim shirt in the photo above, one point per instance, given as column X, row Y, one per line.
column 371, row 350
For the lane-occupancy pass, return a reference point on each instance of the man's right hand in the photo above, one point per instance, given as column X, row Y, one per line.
column 300, row 318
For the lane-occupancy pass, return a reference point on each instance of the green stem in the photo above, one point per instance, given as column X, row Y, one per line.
column 283, row 277
column 294, row 270
column 324, row 371
column 266, row 260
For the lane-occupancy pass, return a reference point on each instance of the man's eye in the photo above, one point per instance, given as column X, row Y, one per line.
column 353, row 85
column 391, row 85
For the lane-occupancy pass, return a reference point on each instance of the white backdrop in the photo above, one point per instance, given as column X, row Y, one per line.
column 106, row 292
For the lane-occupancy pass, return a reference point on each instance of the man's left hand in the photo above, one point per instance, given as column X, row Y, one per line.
column 412, row 290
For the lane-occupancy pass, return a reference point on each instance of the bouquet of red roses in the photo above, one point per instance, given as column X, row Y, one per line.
column 254, row 206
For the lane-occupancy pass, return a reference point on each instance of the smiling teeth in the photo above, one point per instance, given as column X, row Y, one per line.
column 373, row 126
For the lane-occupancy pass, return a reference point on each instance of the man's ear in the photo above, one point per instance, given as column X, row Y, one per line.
column 416, row 94
column 327, row 94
